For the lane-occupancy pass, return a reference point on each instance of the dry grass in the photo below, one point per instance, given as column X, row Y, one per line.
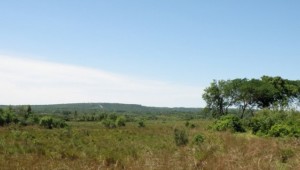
column 90, row 146
column 241, row 152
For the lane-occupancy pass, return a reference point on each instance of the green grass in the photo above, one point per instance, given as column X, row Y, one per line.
column 89, row 145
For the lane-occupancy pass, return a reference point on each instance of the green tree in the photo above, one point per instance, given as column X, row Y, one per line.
column 245, row 95
column 284, row 91
column 215, row 97
column 28, row 112
column 248, row 95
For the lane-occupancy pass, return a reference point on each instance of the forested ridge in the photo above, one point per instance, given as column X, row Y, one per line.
column 108, row 107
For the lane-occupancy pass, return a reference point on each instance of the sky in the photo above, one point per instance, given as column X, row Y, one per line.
column 149, row 52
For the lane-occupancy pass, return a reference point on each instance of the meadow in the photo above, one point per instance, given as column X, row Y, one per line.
column 90, row 145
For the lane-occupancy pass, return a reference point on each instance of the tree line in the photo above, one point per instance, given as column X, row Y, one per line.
column 248, row 95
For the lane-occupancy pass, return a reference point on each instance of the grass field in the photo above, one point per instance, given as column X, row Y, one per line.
column 88, row 145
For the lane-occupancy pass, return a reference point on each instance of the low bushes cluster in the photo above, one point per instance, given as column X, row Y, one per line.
column 113, row 121
column 228, row 122
column 7, row 117
column 264, row 123
column 50, row 122
column 27, row 117
column 276, row 124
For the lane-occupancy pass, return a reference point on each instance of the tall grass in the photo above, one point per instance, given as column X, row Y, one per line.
column 89, row 145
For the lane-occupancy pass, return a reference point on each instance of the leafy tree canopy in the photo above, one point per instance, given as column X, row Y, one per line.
column 249, row 94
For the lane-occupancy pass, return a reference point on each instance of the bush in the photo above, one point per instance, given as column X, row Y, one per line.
column 50, row 122
column 108, row 123
column 180, row 137
column 263, row 121
column 112, row 116
column 120, row 121
column 59, row 123
column 275, row 124
column 141, row 124
column 192, row 126
column 228, row 122
column 280, row 130
column 187, row 124
column 32, row 120
column 2, row 120
column 296, row 131
column 46, row 122
column 113, row 121
column 7, row 117
column 198, row 139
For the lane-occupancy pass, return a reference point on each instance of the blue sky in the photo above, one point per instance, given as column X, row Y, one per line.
column 180, row 43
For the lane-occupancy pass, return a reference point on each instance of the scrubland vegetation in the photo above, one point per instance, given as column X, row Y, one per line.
column 175, row 143
column 224, row 135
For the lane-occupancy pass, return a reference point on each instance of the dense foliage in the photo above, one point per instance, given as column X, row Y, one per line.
column 264, row 123
column 276, row 124
column 113, row 121
column 228, row 122
column 248, row 95
column 24, row 116
column 50, row 122
column 7, row 117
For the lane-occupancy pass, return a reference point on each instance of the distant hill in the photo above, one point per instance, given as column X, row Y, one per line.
column 111, row 107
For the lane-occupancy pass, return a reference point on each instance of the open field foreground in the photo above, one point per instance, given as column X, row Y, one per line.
column 88, row 145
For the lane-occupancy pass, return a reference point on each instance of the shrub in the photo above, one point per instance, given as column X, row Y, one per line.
column 141, row 124
column 280, row 130
column 7, row 117
column 29, row 121
column 112, row 116
column 187, row 124
column 50, row 122
column 263, row 121
column 46, row 122
column 275, row 124
column 285, row 154
column 296, row 131
column 108, row 123
column 120, row 121
column 198, row 139
column 180, row 137
column 113, row 122
column 192, row 126
column 2, row 120
column 59, row 123
column 228, row 122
